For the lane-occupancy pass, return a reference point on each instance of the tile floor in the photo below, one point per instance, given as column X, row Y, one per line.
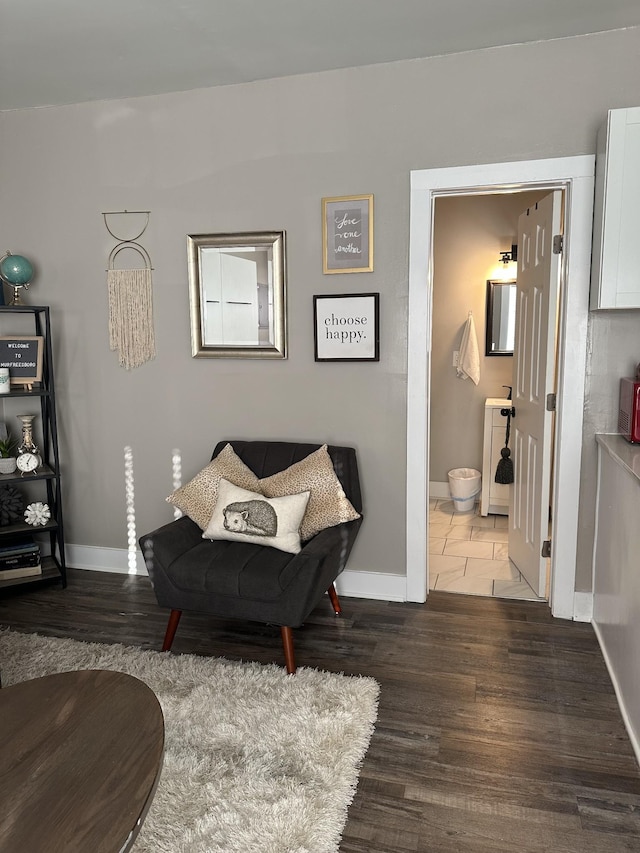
column 468, row 553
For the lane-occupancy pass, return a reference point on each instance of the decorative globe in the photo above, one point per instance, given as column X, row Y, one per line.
column 16, row 270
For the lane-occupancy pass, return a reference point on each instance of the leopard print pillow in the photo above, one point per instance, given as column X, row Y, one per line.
column 328, row 504
column 198, row 497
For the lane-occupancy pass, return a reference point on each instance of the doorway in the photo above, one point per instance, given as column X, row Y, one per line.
column 575, row 176
column 473, row 236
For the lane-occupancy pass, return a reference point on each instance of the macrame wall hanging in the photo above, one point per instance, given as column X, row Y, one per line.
column 130, row 299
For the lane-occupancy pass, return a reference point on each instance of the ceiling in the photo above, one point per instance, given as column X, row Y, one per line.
column 68, row 51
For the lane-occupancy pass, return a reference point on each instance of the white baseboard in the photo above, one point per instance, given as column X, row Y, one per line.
column 379, row 586
column 439, row 490
column 97, row 559
column 633, row 736
column 582, row 606
column 375, row 585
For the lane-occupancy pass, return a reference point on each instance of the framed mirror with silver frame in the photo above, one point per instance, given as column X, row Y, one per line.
column 501, row 317
column 237, row 293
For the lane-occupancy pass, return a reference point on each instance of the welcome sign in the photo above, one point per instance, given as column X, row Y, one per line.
column 23, row 357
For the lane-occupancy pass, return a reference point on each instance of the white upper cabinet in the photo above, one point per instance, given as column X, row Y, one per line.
column 615, row 266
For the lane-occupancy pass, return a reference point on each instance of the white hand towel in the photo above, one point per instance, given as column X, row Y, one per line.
column 469, row 355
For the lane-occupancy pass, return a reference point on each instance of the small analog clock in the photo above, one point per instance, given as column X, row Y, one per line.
column 27, row 462
column 28, row 457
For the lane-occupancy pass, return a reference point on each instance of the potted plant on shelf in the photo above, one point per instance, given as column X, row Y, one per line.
column 7, row 460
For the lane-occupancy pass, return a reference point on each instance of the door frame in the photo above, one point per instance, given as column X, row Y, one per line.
column 574, row 175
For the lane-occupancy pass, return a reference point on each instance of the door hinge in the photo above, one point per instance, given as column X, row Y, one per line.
column 558, row 244
column 546, row 548
column 551, row 402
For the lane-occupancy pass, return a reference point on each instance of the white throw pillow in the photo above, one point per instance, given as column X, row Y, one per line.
column 244, row 516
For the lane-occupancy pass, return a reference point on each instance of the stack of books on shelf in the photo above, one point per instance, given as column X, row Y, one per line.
column 19, row 557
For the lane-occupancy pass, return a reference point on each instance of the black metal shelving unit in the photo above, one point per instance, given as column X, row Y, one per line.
column 47, row 476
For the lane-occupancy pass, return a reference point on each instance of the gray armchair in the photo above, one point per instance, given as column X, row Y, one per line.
column 249, row 581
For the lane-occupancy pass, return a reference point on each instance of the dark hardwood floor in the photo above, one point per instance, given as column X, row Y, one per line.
column 498, row 728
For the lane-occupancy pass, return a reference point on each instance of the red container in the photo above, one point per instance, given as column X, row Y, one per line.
column 629, row 411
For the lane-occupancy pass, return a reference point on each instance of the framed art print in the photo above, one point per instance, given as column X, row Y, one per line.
column 347, row 327
column 347, row 234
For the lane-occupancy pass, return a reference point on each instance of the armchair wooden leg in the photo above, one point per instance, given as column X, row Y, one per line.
column 287, row 642
column 172, row 627
column 335, row 601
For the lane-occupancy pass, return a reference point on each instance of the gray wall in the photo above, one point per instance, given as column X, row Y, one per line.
column 614, row 351
column 261, row 156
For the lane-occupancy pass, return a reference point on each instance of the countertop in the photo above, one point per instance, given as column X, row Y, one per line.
column 627, row 455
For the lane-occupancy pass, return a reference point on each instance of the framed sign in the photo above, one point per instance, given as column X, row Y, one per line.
column 347, row 234
column 347, row 327
column 23, row 357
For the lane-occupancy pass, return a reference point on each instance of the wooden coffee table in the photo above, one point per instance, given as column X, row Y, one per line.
column 80, row 758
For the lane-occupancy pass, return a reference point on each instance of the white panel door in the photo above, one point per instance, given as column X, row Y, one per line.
column 534, row 378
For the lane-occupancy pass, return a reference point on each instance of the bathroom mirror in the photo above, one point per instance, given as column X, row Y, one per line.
column 237, row 293
column 501, row 317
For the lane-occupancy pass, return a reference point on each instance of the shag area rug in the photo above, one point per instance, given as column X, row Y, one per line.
column 255, row 761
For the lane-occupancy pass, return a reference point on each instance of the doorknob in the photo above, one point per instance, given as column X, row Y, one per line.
column 506, row 413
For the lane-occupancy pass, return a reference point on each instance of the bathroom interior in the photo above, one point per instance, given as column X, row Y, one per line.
column 469, row 540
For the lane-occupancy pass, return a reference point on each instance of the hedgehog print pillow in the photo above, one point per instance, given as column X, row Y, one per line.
column 244, row 516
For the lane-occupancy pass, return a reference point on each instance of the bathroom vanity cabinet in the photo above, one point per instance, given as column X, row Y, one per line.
column 616, row 221
column 494, row 496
